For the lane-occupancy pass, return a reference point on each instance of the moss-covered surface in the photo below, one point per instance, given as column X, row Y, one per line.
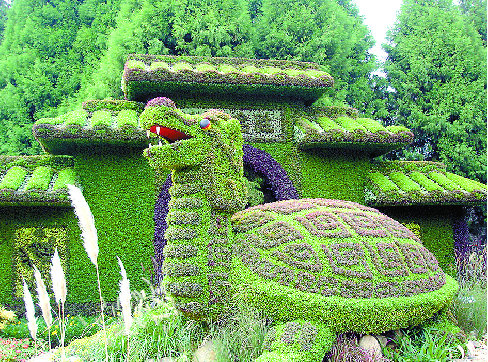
column 333, row 173
column 420, row 183
column 147, row 76
column 35, row 180
column 119, row 187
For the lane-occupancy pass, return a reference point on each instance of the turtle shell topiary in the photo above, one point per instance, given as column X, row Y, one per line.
column 338, row 261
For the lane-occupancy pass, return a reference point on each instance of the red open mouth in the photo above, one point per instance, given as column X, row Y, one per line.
column 171, row 135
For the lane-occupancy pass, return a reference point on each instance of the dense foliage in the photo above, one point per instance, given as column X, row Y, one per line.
column 437, row 67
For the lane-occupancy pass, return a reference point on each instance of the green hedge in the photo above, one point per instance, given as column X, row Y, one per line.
column 14, row 178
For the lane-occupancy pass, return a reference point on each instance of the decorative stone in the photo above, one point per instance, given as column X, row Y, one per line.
column 371, row 344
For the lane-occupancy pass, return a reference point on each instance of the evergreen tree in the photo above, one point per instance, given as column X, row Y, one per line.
column 327, row 32
column 437, row 67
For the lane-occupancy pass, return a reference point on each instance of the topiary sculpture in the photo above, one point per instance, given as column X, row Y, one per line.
column 316, row 267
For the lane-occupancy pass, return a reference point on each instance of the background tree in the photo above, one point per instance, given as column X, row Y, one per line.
column 437, row 67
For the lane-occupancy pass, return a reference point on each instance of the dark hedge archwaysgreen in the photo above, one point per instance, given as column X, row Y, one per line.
column 316, row 267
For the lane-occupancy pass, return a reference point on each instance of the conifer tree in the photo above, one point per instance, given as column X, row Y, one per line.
column 437, row 67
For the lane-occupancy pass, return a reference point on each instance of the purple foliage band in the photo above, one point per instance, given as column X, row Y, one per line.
column 261, row 162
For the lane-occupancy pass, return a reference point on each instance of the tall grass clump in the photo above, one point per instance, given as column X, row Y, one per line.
column 470, row 305
column 30, row 312
column 240, row 336
column 90, row 241
column 157, row 331
column 44, row 302
column 425, row 344
column 60, row 292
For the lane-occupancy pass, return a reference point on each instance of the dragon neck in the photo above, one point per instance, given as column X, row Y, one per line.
column 197, row 253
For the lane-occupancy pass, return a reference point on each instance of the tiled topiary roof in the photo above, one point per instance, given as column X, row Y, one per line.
column 100, row 122
column 35, row 180
column 420, row 183
column 347, row 131
column 147, row 76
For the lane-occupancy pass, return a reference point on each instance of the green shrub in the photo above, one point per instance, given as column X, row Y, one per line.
column 135, row 64
column 442, row 180
column 181, row 66
column 227, row 68
column 466, row 184
column 349, row 124
column 327, row 124
column 101, row 118
column 6, row 317
column 159, row 65
column 77, row 118
column 404, row 182
column 371, row 125
column 424, row 181
column 127, row 117
column 205, row 67
column 397, row 129
column 383, row 182
column 14, row 178
column 65, row 177
column 40, row 179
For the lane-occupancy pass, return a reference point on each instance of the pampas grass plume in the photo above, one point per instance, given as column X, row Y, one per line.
column 86, row 221
column 30, row 312
column 125, row 298
column 58, row 279
column 44, row 301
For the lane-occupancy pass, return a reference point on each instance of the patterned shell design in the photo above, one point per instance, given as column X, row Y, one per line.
column 334, row 248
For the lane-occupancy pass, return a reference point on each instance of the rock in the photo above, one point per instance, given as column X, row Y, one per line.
column 371, row 344
column 205, row 353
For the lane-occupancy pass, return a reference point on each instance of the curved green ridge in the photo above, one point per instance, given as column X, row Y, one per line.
column 420, row 183
column 373, row 315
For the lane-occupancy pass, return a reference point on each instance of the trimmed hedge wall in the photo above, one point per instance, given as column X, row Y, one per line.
column 119, row 187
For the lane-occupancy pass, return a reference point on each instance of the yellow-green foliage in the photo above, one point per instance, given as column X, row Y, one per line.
column 13, row 178
column 40, row 178
column 334, row 174
column 6, row 317
column 35, row 246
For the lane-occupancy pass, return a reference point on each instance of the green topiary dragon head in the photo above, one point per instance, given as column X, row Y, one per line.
column 210, row 144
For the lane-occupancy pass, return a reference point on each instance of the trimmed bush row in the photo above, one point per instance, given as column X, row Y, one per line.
column 113, row 105
column 398, row 187
column 37, row 173
column 223, row 71
column 324, row 131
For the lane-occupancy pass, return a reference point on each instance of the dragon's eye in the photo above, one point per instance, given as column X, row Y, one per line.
column 205, row 124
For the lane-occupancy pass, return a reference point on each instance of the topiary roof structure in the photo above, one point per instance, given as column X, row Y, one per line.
column 344, row 131
column 404, row 183
column 98, row 123
column 148, row 75
column 35, row 180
